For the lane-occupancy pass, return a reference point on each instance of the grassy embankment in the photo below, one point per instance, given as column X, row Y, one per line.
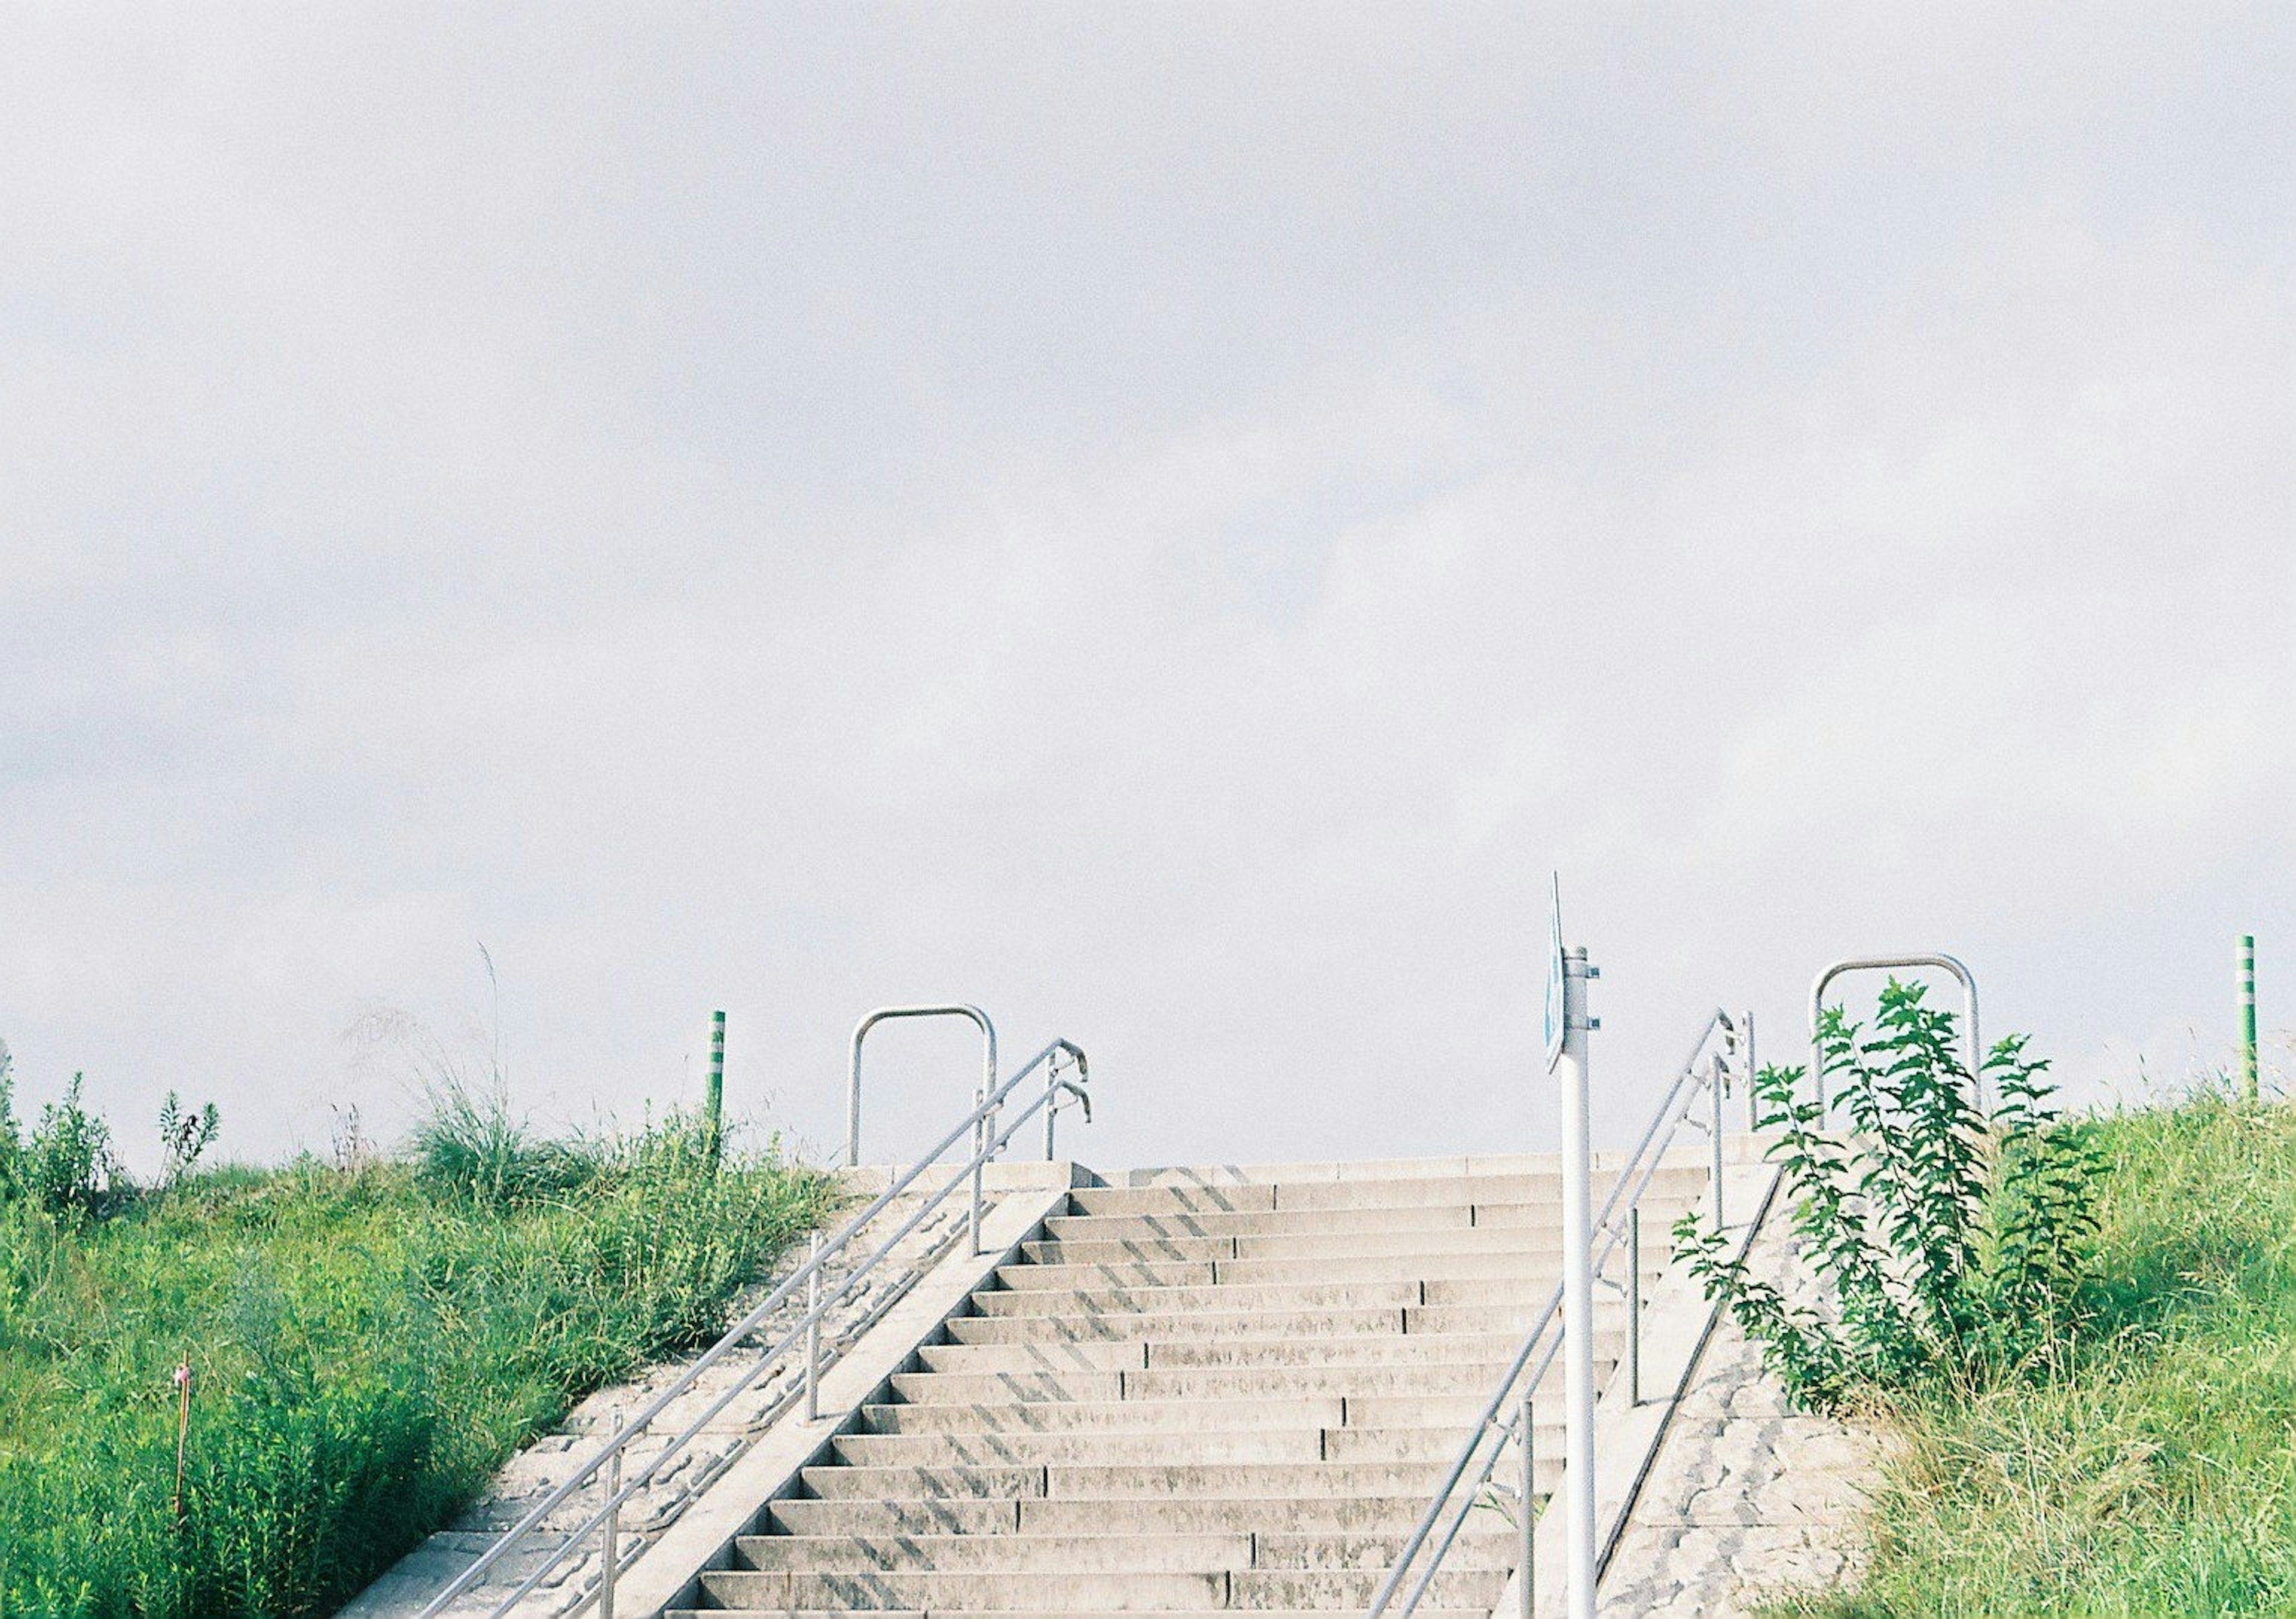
column 2152, row 1471
column 368, row 1343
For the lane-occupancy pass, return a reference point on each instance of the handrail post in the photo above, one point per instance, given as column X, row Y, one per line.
column 1721, row 1072
column 1753, row 1106
column 610, row 1532
column 813, row 1332
column 1529, row 1560
column 980, row 1139
column 1635, row 1305
column 1869, row 963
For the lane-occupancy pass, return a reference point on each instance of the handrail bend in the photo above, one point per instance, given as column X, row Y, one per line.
column 822, row 1299
column 883, row 1014
column 1869, row 963
column 1491, row 1434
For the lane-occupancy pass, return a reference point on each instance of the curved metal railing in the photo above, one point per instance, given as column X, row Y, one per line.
column 607, row 1459
column 1507, row 1419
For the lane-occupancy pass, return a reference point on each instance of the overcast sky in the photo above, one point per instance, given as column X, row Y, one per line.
column 1165, row 521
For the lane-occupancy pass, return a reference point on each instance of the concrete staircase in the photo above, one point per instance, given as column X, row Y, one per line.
column 1196, row 1392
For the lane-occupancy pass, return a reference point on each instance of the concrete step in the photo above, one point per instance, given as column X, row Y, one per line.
column 1323, row 1196
column 1303, row 1223
column 1085, row 1481
column 1101, row 1553
column 1271, row 1297
column 1306, row 1245
column 1109, row 1416
column 1391, row 1516
column 1402, row 1378
column 1153, row 1448
column 1110, row 1355
column 862, row 1590
column 1085, row 1449
column 1320, row 1323
column 1116, row 1552
column 1198, row 1383
column 1419, row 1409
column 1082, row 1591
column 1123, row 1551
column 1512, row 1265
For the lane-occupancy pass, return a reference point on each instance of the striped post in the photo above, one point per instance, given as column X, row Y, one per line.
column 713, row 1101
column 2248, row 1017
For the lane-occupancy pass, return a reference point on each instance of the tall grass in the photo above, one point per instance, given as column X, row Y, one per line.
column 2151, row 1470
column 368, row 1344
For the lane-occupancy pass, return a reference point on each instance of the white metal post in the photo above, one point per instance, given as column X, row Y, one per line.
column 1635, row 1305
column 1528, row 1528
column 813, row 1332
column 1577, row 1297
column 609, row 1532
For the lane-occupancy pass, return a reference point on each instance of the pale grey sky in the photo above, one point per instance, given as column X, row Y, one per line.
column 1166, row 522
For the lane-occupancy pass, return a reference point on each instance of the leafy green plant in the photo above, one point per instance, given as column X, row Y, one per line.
column 68, row 1166
column 11, row 1141
column 183, row 1135
column 1951, row 1241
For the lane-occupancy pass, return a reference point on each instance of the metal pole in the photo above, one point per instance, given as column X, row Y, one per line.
column 1753, row 1107
column 2248, row 1017
column 1635, row 1305
column 713, row 1100
column 813, row 1333
column 1529, row 1499
column 609, row 1532
column 1720, row 1070
column 1052, row 1100
column 1577, row 1297
column 988, row 1133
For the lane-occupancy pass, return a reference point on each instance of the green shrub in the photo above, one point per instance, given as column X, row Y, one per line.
column 11, row 1141
column 470, row 1143
column 183, row 1135
column 1951, row 1241
column 69, row 1166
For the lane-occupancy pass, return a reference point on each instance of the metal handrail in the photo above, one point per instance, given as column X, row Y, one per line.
column 883, row 1014
column 1868, row 963
column 820, row 1301
column 1647, row 1155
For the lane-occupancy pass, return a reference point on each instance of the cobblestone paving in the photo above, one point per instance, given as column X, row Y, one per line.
column 549, row 1461
column 1747, row 1497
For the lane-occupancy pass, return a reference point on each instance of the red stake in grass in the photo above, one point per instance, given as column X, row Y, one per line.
column 182, row 1429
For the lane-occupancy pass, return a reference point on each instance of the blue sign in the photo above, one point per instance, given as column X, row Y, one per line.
column 1555, row 1002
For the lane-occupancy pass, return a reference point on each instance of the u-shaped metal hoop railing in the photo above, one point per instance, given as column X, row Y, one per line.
column 1944, row 963
column 885, row 1014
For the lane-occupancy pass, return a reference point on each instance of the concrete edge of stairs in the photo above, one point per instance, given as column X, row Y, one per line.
column 668, row 1574
column 1677, row 1324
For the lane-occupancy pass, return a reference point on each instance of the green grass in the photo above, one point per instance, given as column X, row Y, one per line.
column 2152, row 1469
column 369, row 1345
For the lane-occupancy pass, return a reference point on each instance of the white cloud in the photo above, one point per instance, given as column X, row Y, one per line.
column 1167, row 532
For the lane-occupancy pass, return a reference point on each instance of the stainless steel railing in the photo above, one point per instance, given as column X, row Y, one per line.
column 1507, row 1419
column 623, row 1482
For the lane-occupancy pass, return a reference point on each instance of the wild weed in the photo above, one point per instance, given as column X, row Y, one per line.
column 1951, row 1241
